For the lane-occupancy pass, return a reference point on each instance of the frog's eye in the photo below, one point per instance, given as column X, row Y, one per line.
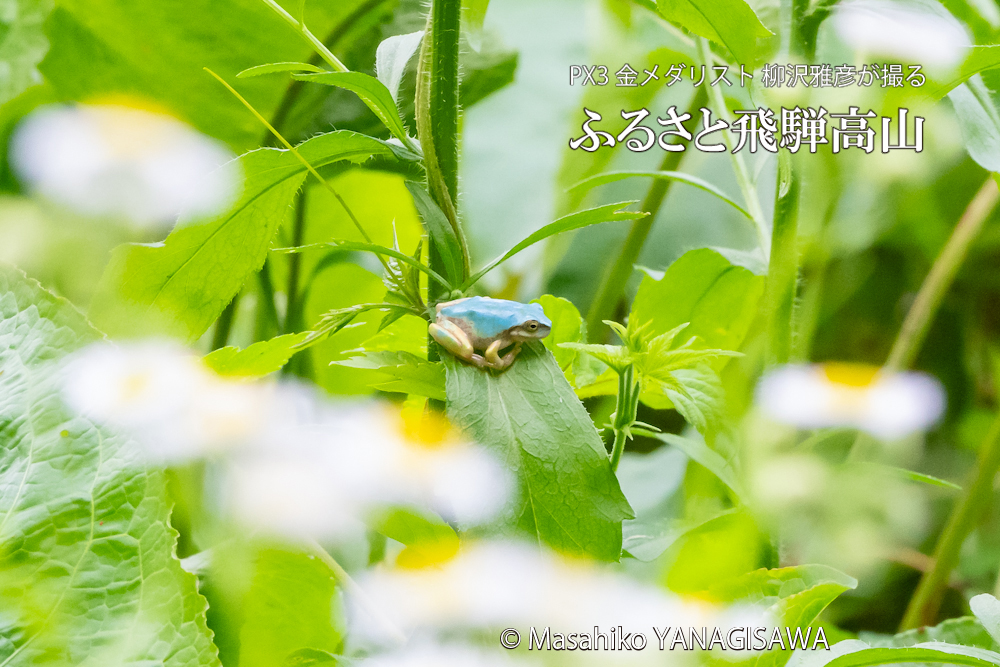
column 532, row 326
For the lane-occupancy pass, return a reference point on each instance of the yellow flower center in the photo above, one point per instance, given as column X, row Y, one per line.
column 130, row 127
column 850, row 375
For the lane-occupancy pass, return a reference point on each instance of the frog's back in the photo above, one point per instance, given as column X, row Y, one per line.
column 488, row 317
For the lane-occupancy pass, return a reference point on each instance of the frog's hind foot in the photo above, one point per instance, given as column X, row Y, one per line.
column 497, row 363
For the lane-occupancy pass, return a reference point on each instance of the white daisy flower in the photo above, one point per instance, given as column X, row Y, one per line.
column 920, row 35
column 123, row 162
column 321, row 477
column 162, row 395
column 495, row 585
column 887, row 405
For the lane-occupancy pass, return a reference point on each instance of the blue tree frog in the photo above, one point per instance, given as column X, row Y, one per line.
column 479, row 323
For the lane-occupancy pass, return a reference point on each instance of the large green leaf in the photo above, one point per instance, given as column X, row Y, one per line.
column 22, row 46
column 87, row 567
column 179, row 287
column 401, row 372
column 975, row 103
column 531, row 418
column 731, row 23
column 703, row 455
column 157, row 50
column 966, row 630
column 794, row 596
column 292, row 604
column 705, row 289
column 567, row 327
column 931, row 652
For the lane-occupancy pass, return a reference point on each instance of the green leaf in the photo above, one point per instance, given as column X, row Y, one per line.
column 530, row 417
column 567, row 327
column 87, row 565
column 592, row 216
column 703, row 288
column 794, row 596
column 401, row 372
column 485, row 72
column 156, row 51
column 917, row 477
column 933, row 652
column 277, row 67
column 980, row 58
column 966, row 630
column 179, row 287
column 376, row 249
column 442, row 234
column 987, row 610
column 23, row 47
column 258, row 360
column 696, row 393
column 473, row 16
column 428, row 538
column 292, row 604
column 700, row 453
column 680, row 176
column 731, row 23
column 392, row 57
column 975, row 104
column 376, row 96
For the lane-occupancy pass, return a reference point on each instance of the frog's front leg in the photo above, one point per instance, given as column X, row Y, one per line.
column 493, row 360
column 451, row 337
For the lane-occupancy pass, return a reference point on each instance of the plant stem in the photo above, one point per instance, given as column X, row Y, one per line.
column 613, row 286
column 941, row 276
column 926, row 601
column 224, row 325
column 313, row 41
column 783, row 267
column 268, row 323
column 808, row 28
column 625, row 412
column 739, row 166
column 437, row 114
column 293, row 308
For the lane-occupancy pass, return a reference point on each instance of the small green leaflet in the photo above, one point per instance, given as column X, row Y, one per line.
column 271, row 68
column 679, row 176
column 441, row 232
column 372, row 92
column 258, row 360
column 592, row 216
column 392, row 57
column 731, row 23
column 401, row 372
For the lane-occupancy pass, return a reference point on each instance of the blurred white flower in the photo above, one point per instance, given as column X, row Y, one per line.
column 319, row 478
column 434, row 655
column 887, row 405
column 123, row 162
column 495, row 585
column 916, row 34
column 161, row 395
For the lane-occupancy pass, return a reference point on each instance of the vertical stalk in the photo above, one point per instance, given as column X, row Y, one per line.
column 437, row 115
column 613, row 285
column 747, row 186
column 783, row 266
column 625, row 412
column 294, row 307
column 926, row 601
column 941, row 276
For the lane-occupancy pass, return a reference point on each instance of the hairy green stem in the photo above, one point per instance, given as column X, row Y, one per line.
column 926, row 601
column 612, row 287
column 783, row 267
column 941, row 276
column 747, row 186
column 808, row 28
column 437, row 116
column 625, row 412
